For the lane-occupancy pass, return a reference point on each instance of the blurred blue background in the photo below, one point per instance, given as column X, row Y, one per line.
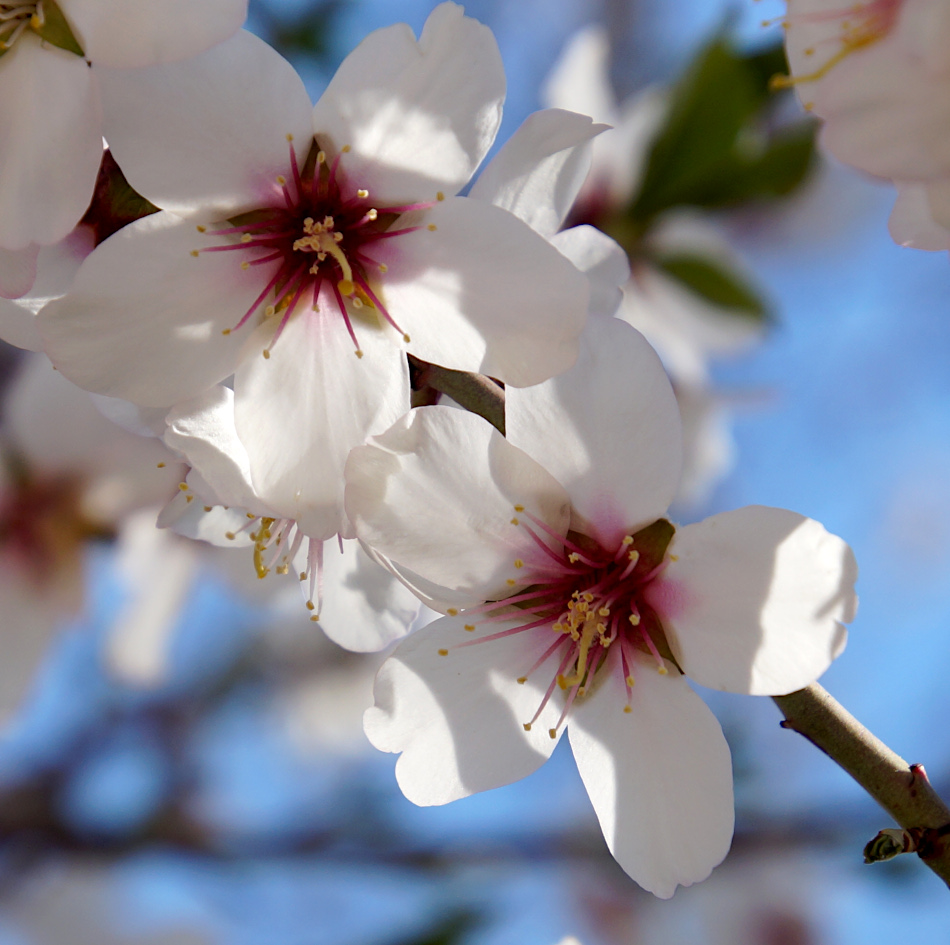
column 215, row 808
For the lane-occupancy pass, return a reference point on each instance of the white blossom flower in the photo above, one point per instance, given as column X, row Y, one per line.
column 319, row 236
column 570, row 600
column 912, row 221
column 51, row 57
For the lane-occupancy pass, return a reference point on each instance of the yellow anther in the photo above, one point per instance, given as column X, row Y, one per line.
column 315, row 618
column 160, row 465
column 588, row 597
column 511, row 582
column 522, row 680
column 250, row 515
column 604, row 611
column 527, row 726
column 357, row 302
column 226, row 331
column 289, row 136
column 346, row 149
column 406, row 338
column 230, row 536
column 432, row 228
column 573, row 557
column 515, row 521
column 372, row 214
column 246, row 237
column 195, row 253
column 627, row 540
column 270, row 311
column 630, row 681
column 281, row 179
column 245, row 265
column 303, row 575
column 311, row 605
column 328, row 222
column 552, row 732
column 634, row 619
column 383, row 267
column 201, row 229
column 627, row 709
column 183, row 486
column 519, row 508
column 519, row 563
column 207, row 508
column 266, row 353
column 633, row 556
column 321, row 157
column 358, row 353
column 662, row 670
column 674, row 557
column 443, row 652
column 470, row 627
column 453, row 611
column 440, row 196
column 362, row 194
column 189, row 498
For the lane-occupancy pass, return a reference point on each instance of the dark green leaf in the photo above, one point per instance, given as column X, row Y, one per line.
column 714, row 284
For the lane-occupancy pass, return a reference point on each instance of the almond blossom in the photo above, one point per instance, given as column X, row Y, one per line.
column 572, row 603
column 326, row 239
column 52, row 57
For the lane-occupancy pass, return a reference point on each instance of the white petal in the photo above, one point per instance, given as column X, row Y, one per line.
column 437, row 494
column 301, row 411
column 419, row 117
column 56, row 266
column 128, row 33
column 144, row 318
column 157, row 570
column 459, row 719
column 539, row 171
column 602, row 260
column 608, row 430
column 364, row 607
column 754, row 600
column 580, row 79
column 484, row 293
column 17, row 271
column 659, row 776
column 210, row 132
column 203, row 432
column 51, row 144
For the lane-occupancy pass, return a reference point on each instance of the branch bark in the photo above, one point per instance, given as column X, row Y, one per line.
column 903, row 790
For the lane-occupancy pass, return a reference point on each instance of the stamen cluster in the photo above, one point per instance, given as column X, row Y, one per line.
column 320, row 235
column 593, row 598
column 17, row 17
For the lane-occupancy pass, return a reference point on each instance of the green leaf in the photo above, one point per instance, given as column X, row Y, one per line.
column 718, row 147
column 56, row 30
column 714, row 284
column 712, row 103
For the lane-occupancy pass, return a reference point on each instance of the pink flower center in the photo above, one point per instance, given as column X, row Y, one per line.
column 858, row 25
column 316, row 243
column 592, row 598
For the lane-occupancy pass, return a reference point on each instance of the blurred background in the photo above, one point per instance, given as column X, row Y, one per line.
column 187, row 765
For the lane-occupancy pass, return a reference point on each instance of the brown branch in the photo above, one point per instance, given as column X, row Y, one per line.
column 474, row 392
column 903, row 790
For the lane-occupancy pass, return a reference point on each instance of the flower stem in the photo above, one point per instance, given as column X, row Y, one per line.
column 903, row 790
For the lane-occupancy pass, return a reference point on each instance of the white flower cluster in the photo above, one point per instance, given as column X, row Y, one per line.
column 264, row 321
